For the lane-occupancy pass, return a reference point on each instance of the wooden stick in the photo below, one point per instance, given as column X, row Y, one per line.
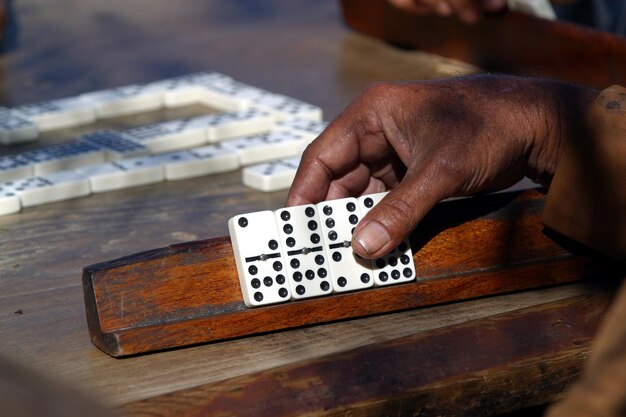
column 483, row 367
column 189, row 293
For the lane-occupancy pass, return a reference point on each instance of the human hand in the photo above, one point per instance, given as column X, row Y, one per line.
column 468, row 11
column 427, row 141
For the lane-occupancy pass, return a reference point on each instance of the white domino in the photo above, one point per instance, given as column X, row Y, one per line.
column 13, row 168
column 187, row 89
column 305, row 257
column 397, row 266
column 173, row 135
column 271, row 176
column 115, row 145
column 230, row 96
column 123, row 101
column 287, row 108
column 67, row 156
column 241, row 123
column 266, row 147
column 50, row 188
column 58, row 114
column 9, row 201
column 311, row 129
column 259, row 258
column 338, row 219
column 126, row 173
column 15, row 128
column 197, row 162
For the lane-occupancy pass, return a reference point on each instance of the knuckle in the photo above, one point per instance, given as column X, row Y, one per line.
column 396, row 215
column 378, row 92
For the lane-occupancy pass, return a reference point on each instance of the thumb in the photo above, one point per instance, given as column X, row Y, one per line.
column 396, row 215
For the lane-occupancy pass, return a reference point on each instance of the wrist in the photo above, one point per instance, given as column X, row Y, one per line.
column 559, row 117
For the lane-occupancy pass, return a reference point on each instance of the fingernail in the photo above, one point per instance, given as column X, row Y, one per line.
column 373, row 237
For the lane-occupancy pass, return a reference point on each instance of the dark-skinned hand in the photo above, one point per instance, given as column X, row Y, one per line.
column 427, row 141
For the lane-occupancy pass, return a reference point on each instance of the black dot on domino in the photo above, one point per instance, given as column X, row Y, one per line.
column 280, row 279
column 285, row 215
column 365, row 278
column 332, row 235
column 383, row 276
column 368, row 202
column 272, row 244
column 252, row 270
column 312, row 225
column 309, row 211
column 330, row 223
column 322, row 273
column 407, row 272
column 354, row 219
column 392, row 261
column 309, row 274
column 402, row 247
column 300, row 289
column 380, row 263
column 243, row 222
column 277, row 266
column 324, row 286
column 336, row 256
column 268, row 281
column 405, row 259
column 328, row 210
column 295, row 263
column 351, row 207
column 395, row 274
column 341, row 281
column 255, row 283
column 315, row 238
column 288, row 229
column 291, row 242
column 283, row 292
column 258, row 296
column 297, row 276
column 319, row 259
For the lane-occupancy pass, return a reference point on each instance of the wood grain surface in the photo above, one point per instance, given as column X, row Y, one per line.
column 189, row 293
column 480, row 367
column 300, row 48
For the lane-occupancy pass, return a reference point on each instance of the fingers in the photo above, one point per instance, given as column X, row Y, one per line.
column 332, row 154
column 468, row 11
column 493, row 6
column 387, row 224
column 336, row 164
column 440, row 7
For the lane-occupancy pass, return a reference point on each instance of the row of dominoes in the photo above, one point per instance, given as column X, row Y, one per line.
column 24, row 123
column 93, row 165
column 304, row 251
column 104, row 146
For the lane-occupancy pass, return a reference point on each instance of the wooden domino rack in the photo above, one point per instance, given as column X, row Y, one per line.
column 189, row 293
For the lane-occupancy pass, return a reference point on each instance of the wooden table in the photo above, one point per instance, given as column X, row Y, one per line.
column 298, row 48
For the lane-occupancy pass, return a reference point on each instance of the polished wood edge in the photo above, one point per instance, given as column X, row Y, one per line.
column 485, row 367
column 134, row 340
